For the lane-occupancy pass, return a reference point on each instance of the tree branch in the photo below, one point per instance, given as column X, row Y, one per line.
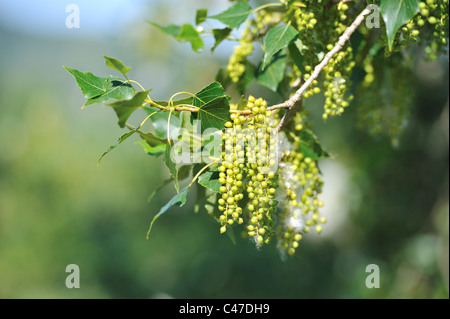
column 289, row 104
column 338, row 47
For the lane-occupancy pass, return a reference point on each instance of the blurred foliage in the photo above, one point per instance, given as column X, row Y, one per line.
column 58, row 207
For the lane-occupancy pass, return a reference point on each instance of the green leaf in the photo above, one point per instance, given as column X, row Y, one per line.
column 184, row 172
column 297, row 57
column 200, row 16
column 90, row 85
column 173, row 30
column 184, row 33
column 219, row 36
column 214, row 109
column 235, row 15
column 310, row 145
column 152, row 144
column 116, row 65
column 151, row 139
column 178, row 200
column 208, row 94
column 276, row 39
column 122, row 138
column 160, row 120
column 99, row 90
column 273, row 73
column 152, row 150
column 116, row 88
column 125, row 108
column 172, row 166
column 201, row 195
column 395, row 14
column 210, row 180
column 214, row 114
column 189, row 33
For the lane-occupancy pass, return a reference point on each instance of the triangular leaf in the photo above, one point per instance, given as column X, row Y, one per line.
column 214, row 109
column 184, row 172
column 297, row 56
column 90, row 85
column 210, row 180
column 235, row 15
column 173, row 30
column 151, row 139
column 219, row 36
column 214, row 114
column 189, row 33
column 152, row 150
column 116, row 89
column 200, row 16
column 209, row 93
column 125, row 108
column 183, row 33
column 178, row 200
column 276, row 39
column 100, row 90
column 395, row 14
column 116, row 65
column 273, row 74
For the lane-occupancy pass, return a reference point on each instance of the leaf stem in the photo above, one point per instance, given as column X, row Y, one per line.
column 137, row 83
column 200, row 172
column 145, row 120
column 267, row 5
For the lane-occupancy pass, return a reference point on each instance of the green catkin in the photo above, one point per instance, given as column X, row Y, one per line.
column 316, row 35
column 300, row 187
column 237, row 62
column 247, row 172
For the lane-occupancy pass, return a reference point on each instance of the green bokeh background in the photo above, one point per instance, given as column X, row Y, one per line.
column 385, row 205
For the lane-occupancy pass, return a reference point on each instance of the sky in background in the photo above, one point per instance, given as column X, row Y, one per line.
column 48, row 17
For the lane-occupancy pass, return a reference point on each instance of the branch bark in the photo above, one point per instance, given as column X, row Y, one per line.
column 289, row 104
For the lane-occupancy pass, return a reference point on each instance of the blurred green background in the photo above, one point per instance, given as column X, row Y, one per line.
column 385, row 205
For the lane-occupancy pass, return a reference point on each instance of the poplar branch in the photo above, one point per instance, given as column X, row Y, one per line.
column 289, row 104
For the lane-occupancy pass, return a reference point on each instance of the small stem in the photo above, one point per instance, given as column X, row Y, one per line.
column 168, row 126
column 283, row 119
column 201, row 171
column 145, row 120
column 150, row 101
column 267, row 5
column 139, row 84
